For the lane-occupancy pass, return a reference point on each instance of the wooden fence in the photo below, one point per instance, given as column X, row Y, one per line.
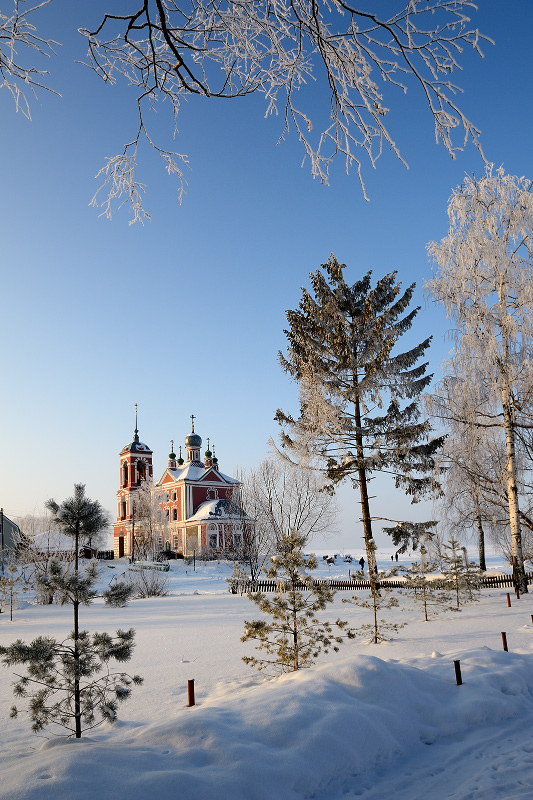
column 487, row 582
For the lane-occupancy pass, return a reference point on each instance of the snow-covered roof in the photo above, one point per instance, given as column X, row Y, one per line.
column 192, row 471
column 216, row 510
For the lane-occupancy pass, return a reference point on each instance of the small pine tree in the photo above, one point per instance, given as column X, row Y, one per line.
column 463, row 576
column 294, row 636
column 424, row 591
column 64, row 683
column 378, row 601
column 12, row 586
column 237, row 580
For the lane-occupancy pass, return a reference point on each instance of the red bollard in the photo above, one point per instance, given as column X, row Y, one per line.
column 190, row 691
column 458, row 678
column 517, row 592
column 508, row 599
column 504, row 641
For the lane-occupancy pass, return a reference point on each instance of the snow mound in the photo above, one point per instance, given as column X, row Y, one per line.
column 314, row 733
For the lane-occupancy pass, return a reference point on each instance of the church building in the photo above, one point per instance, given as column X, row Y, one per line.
column 201, row 507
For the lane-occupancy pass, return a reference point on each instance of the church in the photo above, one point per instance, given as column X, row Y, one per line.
column 201, row 507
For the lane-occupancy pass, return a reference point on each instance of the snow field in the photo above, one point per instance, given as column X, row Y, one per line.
column 373, row 721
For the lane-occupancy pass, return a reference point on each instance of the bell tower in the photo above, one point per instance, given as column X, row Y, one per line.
column 135, row 468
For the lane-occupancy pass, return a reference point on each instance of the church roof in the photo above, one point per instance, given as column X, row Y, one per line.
column 215, row 510
column 192, row 471
column 136, row 447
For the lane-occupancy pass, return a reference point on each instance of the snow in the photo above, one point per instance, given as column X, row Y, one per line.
column 373, row 721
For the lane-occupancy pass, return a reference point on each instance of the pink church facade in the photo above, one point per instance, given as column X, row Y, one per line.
column 200, row 504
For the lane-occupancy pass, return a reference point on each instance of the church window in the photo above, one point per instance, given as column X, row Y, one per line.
column 173, row 495
column 125, row 474
column 174, row 513
column 141, row 471
column 213, row 540
column 176, row 542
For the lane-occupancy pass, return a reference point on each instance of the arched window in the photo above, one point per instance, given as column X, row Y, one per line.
column 141, row 471
column 125, row 473
column 174, row 513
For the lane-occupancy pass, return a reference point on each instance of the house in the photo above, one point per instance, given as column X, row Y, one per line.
column 10, row 535
column 201, row 511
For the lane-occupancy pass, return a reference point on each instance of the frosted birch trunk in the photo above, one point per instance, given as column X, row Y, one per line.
column 512, row 492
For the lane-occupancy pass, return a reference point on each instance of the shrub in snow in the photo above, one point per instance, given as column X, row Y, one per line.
column 69, row 683
column 293, row 636
column 147, row 583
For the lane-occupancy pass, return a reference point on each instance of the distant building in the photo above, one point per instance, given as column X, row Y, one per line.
column 10, row 535
column 201, row 505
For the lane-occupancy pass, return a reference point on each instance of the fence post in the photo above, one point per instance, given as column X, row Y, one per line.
column 508, row 599
column 458, row 678
column 190, row 692
column 517, row 592
column 504, row 641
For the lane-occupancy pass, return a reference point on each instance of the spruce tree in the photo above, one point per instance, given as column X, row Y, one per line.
column 359, row 400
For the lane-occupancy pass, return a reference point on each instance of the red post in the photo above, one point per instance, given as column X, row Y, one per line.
column 517, row 592
column 504, row 641
column 458, row 678
column 190, row 691
column 508, row 599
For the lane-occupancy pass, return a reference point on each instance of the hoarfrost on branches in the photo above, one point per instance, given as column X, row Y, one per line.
column 287, row 51
column 485, row 282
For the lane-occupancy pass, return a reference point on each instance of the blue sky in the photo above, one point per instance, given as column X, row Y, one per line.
column 186, row 314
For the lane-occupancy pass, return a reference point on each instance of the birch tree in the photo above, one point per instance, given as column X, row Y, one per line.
column 359, row 409
column 484, row 279
column 280, row 497
column 328, row 69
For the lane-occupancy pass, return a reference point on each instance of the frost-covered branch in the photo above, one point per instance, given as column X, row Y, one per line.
column 328, row 68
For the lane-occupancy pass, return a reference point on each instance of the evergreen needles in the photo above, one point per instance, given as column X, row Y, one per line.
column 292, row 635
column 359, row 399
column 70, row 683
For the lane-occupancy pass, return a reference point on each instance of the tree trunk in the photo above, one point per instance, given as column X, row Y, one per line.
column 480, row 538
column 519, row 574
column 76, row 605
column 363, row 488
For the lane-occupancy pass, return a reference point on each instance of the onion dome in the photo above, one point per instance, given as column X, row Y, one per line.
column 193, row 440
column 180, row 459
column 136, row 446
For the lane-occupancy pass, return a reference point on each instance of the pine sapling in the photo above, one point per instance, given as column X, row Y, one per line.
column 423, row 590
column 69, row 683
column 292, row 634
column 462, row 576
column 12, row 586
column 378, row 601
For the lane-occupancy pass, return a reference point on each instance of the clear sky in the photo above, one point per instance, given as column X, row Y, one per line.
column 186, row 314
